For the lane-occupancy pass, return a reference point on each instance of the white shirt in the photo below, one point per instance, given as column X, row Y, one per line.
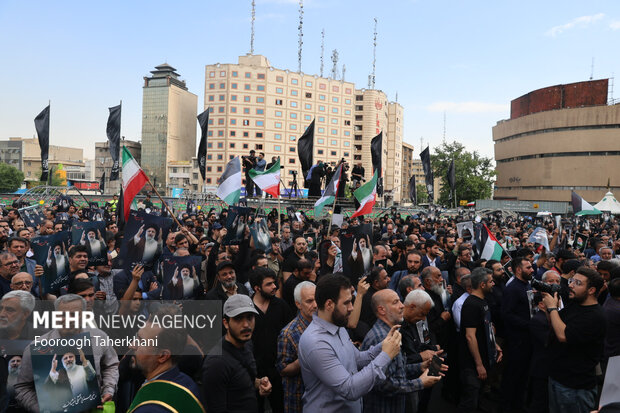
column 456, row 310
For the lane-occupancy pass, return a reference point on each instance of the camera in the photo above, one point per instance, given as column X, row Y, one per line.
column 544, row 287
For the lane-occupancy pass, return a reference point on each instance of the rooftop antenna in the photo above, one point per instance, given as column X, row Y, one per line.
column 344, row 70
column 444, row 128
column 592, row 70
column 335, row 62
column 371, row 78
column 252, row 32
column 322, row 49
column 397, row 97
column 421, row 143
column 301, row 33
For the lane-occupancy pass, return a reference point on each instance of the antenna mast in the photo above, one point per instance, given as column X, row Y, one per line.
column 322, row 49
column 344, row 70
column 335, row 62
column 371, row 79
column 301, row 33
column 444, row 127
column 252, row 32
column 592, row 70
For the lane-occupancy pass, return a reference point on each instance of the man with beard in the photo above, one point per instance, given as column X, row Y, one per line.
column 300, row 252
column 414, row 264
column 336, row 374
column 183, row 283
column 13, row 371
column 439, row 318
column 378, row 280
column 302, row 272
column 9, row 266
column 496, row 297
column 58, row 263
column 15, row 309
column 230, row 379
column 273, row 315
column 360, row 260
column 478, row 351
column 78, row 259
column 226, row 285
column 516, row 315
column 148, row 248
column 73, row 380
column 288, row 343
column 390, row 393
column 95, row 245
column 576, row 344
column 166, row 388
column 105, row 358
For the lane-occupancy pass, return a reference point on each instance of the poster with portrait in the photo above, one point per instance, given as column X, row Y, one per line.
column 144, row 239
column 92, row 235
column 580, row 241
column 51, row 252
column 63, row 202
column 260, row 235
column 236, row 222
column 181, row 277
column 65, row 378
column 95, row 214
column 32, row 215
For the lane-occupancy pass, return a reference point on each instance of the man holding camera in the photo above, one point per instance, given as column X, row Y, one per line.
column 576, row 345
column 249, row 163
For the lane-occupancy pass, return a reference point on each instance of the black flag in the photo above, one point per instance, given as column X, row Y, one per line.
column 203, row 121
column 305, row 150
column 120, row 212
column 413, row 191
column 102, row 182
column 42, row 125
column 114, row 138
column 428, row 173
column 451, row 178
column 376, row 153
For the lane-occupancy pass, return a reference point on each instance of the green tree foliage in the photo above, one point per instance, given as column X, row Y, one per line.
column 474, row 173
column 56, row 179
column 422, row 193
column 11, row 178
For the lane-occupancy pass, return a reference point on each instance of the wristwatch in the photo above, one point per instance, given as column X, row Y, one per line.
column 550, row 309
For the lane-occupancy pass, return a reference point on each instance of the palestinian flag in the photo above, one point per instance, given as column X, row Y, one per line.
column 229, row 190
column 269, row 180
column 367, row 196
column 329, row 194
column 581, row 206
column 134, row 179
column 491, row 250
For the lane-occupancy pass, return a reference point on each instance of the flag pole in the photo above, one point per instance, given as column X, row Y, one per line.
column 162, row 201
column 279, row 210
column 329, row 229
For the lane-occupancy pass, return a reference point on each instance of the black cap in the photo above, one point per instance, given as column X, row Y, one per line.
column 224, row 264
column 570, row 265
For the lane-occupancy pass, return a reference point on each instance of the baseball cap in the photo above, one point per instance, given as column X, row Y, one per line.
column 238, row 304
column 217, row 225
column 224, row 264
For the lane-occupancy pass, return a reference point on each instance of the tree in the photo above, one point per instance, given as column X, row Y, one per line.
column 11, row 178
column 57, row 180
column 474, row 173
column 422, row 193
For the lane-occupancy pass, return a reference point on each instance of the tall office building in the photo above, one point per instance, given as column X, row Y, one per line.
column 256, row 106
column 406, row 171
column 168, row 123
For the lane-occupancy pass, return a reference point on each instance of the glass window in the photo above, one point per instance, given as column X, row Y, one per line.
column 246, row 134
column 277, row 148
column 261, row 75
column 232, row 145
column 219, row 158
column 321, row 140
column 279, row 102
column 335, row 89
column 347, row 112
column 293, row 127
column 233, row 109
column 334, row 131
column 307, row 117
column 260, row 100
column 220, row 121
column 347, row 143
column 260, row 88
column 279, row 79
column 245, row 146
column 260, row 111
column 321, row 108
column 334, row 120
column 321, row 118
column 259, row 123
column 233, row 121
column 209, row 156
column 294, row 81
column 291, row 160
column 293, row 116
column 220, row 109
column 292, row 138
column 335, row 99
column 334, row 110
column 347, row 133
column 293, row 92
column 220, row 133
column 210, row 133
column 278, row 113
column 321, row 130
column 211, row 98
column 279, row 90
column 248, row 75
column 321, row 97
column 246, row 98
column 347, row 101
column 211, row 74
column 222, row 85
column 347, row 91
column 291, row 149
column 235, row 74
column 222, row 74
column 233, row 97
column 334, row 142
column 222, row 98
column 259, row 135
column 246, row 110
column 334, row 153
column 309, row 84
column 320, row 151
column 278, row 125
column 278, row 136
column 308, row 106
column 293, row 104
column 322, row 86
column 211, row 85
column 209, row 145
column 233, row 133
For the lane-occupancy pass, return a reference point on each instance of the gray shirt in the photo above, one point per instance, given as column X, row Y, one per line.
column 106, row 367
column 335, row 373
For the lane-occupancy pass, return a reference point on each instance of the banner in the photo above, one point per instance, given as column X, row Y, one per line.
column 203, row 121
column 376, row 153
column 305, row 150
column 114, row 138
column 42, row 125
column 413, row 191
column 428, row 174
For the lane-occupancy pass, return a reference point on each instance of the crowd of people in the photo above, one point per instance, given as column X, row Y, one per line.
column 382, row 314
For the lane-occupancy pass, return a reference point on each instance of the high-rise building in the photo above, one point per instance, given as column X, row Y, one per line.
column 374, row 114
column 168, row 123
column 558, row 139
column 103, row 161
column 406, row 171
column 255, row 106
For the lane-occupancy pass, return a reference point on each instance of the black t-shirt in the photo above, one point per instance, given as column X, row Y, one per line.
column 266, row 331
column 476, row 314
column 290, row 263
column 573, row 363
column 288, row 290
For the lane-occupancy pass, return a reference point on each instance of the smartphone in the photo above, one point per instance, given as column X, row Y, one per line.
column 435, row 367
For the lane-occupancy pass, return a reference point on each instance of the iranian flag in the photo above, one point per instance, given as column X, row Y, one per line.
column 134, row 179
column 491, row 250
column 329, row 195
column 269, row 180
column 366, row 196
column 229, row 189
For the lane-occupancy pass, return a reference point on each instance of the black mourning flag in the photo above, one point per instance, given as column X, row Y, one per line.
column 413, row 191
column 451, row 178
column 428, row 173
column 376, row 152
column 305, row 149
column 114, row 137
column 102, row 182
column 203, row 121
column 42, row 125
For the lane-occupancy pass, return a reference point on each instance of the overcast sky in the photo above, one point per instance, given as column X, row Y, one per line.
column 468, row 59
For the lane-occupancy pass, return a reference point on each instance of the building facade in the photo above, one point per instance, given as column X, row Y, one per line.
column 406, row 171
column 558, row 139
column 254, row 106
column 168, row 123
column 103, row 161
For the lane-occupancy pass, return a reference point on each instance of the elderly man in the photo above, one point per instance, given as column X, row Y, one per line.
column 22, row 281
column 390, row 394
column 288, row 342
column 9, row 266
column 166, row 388
column 407, row 284
column 106, row 360
column 15, row 309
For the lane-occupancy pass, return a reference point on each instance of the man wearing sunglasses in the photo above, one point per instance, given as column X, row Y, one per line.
column 9, row 266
